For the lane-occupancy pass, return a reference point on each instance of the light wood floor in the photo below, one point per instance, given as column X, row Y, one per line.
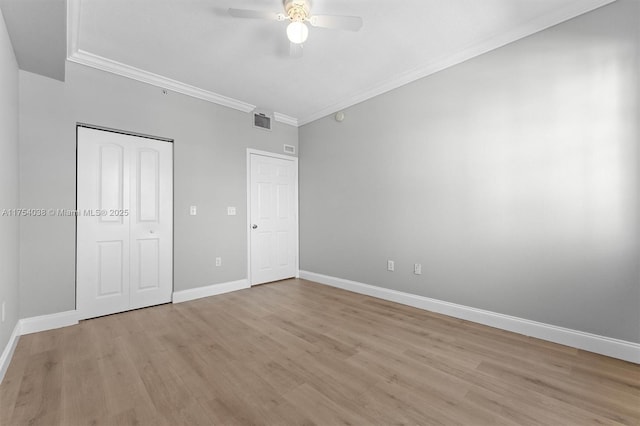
column 296, row 352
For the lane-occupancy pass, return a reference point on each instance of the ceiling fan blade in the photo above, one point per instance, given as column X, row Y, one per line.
column 295, row 50
column 256, row 14
column 351, row 23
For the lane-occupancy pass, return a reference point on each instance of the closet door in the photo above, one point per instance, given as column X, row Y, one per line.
column 151, row 219
column 124, row 222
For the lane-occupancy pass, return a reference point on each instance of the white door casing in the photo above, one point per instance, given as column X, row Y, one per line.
column 272, row 216
column 124, row 223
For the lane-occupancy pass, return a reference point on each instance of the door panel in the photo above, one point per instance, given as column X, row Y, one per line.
column 110, row 175
column 263, row 256
column 264, row 200
column 110, row 269
column 124, row 222
column 102, row 240
column 148, row 185
column 273, row 212
column 282, row 248
column 152, row 221
column 148, row 263
column 282, row 201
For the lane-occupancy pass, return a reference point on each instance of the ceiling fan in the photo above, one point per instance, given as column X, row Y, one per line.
column 298, row 14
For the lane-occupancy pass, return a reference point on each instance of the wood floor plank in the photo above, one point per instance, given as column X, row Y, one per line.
column 39, row 397
column 12, row 381
column 592, row 400
column 300, row 353
column 84, row 398
column 325, row 410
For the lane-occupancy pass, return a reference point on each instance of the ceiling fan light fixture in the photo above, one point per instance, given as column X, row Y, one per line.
column 297, row 32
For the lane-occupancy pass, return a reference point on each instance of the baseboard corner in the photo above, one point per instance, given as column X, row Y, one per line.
column 7, row 353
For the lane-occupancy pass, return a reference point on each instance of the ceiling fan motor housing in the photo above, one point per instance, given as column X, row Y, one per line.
column 297, row 10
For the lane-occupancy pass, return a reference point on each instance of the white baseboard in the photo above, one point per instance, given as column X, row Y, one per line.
column 64, row 319
column 210, row 290
column 621, row 349
column 7, row 353
column 34, row 325
column 48, row 322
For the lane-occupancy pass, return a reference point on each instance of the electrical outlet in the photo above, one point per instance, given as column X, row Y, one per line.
column 231, row 211
column 417, row 269
column 218, row 261
column 391, row 265
column 193, row 210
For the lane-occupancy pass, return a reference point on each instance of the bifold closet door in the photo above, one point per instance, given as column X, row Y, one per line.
column 124, row 222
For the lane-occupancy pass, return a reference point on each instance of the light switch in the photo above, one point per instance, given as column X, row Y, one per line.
column 231, row 211
column 193, row 210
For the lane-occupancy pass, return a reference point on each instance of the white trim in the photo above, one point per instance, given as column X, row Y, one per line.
column 73, row 25
column 541, row 23
column 69, row 318
column 79, row 56
column 286, row 119
column 621, row 349
column 34, row 325
column 75, row 54
column 48, row 322
column 82, row 57
column 250, row 152
column 210, row 290
column 89, row 59
column 7, row 353
column 270, row 154
column 248, row 210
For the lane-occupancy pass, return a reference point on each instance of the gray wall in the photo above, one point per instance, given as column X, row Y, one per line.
column 512, row 178
column 210, row 172
column 8, row 184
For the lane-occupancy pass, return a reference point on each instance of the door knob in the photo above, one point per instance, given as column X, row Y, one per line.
column 254, row 226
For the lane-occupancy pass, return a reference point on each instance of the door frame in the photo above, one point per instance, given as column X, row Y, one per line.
column 173, row 204
column 251, row 152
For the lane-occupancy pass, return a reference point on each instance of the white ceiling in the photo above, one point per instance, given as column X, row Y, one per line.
column 194, row 47
column 38, row 34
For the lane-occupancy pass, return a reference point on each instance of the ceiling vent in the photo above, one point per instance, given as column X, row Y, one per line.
column 262, row 120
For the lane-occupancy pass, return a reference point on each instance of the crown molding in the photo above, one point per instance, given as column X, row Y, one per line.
column 77, row 55
column 95, row 61
column 73, row 26
column 286, row 119
column 577, row 8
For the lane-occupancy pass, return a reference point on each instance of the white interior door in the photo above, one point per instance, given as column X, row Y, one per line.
column 151, row 222
column 273, row 218
column 124, row 223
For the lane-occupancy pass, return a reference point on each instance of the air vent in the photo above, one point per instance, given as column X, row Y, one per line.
column 261, row 120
